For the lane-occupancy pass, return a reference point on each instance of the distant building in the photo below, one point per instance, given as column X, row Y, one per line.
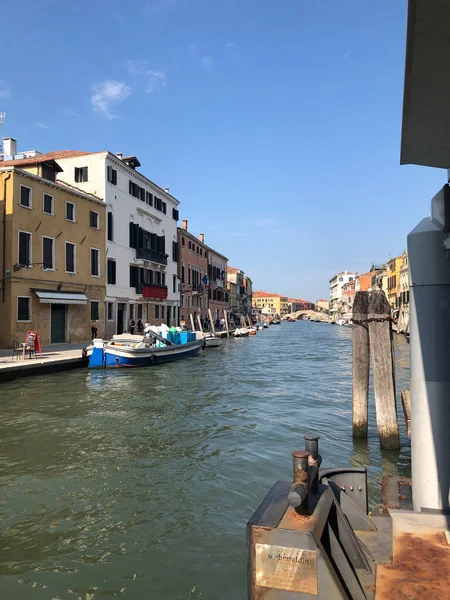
column 217, row 278
column 336, row 284
column 262, row 299
column 192, row 268
column 363, row 282
column 240, row 293
column 322, row 305
column 404, row 282
column 348, row 297
column 393, row 291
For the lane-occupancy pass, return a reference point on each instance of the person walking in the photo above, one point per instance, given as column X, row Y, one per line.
column 94, row 330
column 132, row 326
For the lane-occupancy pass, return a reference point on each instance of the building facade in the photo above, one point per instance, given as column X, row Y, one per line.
column 279, row 303
column 53, row 272
column 348, row 297
column 141, row 238
column 404, row 282
column 363, row 282
column 217, row 281
column 393, row 293
column 322, row 305
column 192, row 270
column 336, row 284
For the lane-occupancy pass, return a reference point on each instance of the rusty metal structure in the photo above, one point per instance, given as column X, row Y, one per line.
column 314, row 538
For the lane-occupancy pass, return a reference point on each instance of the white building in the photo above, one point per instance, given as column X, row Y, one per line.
column 336, row 284
column 141, row 248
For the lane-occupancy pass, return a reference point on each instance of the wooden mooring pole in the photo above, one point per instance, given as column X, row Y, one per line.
column 380, row 338
column 361, row 365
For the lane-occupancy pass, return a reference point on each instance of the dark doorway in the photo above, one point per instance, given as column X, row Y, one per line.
column 169, row 315
column 120, row 316
column 58, row 323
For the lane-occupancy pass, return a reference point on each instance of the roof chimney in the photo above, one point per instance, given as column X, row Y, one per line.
column 119, row 155
column 9, row 147
column 202, row 238
column 166, row 190
column 184, row 224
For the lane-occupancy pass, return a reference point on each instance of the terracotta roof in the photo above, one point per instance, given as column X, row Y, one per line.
column 262, row 294
column 41, row 158
column 233, row 270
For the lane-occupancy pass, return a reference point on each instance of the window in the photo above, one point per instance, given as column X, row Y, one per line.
column 48, row 204
column 164, row 207
column 110, row 227
column 149, row 198
column 189, row 301
column 175, row 251
column 175, row 214
column 181, row 301
column 24, row 248
column 189, row 274
column 48, row 253
column 174, row 284
column 95, row 310
column 189, row 245
column 95, row 262
column 81, row 174
column 156, row 311
column 70, row 211
column 131, row 311
column 162, row 311
column 94, row 219
column 70, row 258
column 25, row 196
column 23, row 308
column 139, row 311
column 163, row 279
column 183, row 241
column 111, row 271
column 48, row 172
column 110, row 311
column 112, row 175
column 182, row 272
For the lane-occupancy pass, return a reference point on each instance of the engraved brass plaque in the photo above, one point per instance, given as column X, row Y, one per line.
column 283, row 568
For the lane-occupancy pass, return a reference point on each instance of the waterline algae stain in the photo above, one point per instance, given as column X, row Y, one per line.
column 138, row 484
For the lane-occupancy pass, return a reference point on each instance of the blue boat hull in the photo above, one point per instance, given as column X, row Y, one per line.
column 115, row 356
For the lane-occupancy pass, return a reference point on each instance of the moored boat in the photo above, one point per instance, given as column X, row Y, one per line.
column 140, row 351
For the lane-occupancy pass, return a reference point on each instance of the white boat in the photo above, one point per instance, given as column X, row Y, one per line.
column 211, row 340
column 241, row 332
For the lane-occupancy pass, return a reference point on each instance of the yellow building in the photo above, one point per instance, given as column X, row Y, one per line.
column 393, row 275
column 53, row 261
column 262, row 299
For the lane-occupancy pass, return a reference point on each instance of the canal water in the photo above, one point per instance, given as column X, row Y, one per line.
column 138, row 484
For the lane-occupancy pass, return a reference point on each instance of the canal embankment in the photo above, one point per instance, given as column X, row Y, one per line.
column 54, row 358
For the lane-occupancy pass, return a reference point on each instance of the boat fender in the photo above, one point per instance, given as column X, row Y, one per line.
column 204, row 344
column 153, row 359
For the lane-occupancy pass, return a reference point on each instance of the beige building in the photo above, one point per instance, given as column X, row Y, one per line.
column 322, row 305
column 53, row 265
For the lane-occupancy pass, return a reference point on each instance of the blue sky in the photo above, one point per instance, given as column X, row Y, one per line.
column 276, row 123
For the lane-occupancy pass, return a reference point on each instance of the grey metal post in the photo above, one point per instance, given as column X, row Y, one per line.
column 429, row 266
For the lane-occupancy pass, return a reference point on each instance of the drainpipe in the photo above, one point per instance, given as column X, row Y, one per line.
column 4, row 237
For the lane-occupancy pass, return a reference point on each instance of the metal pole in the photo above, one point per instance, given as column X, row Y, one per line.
column 429, row 267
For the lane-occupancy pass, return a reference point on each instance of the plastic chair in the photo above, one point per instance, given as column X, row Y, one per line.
column 15, row 346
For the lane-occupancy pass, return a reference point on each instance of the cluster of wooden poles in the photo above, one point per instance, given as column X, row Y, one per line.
column 227, row 332
column 372, row 336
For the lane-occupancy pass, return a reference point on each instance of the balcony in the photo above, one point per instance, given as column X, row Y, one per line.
column 197, row 288
column 154, row 291
column 152, row 255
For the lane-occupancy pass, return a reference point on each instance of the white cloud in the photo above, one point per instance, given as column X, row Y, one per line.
column 42, row 126
column 207, row 61
column 151, row 80
column 192, row 49
column 118, row 17
column 108, row 94
column 71, row 113
column 4, row 90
